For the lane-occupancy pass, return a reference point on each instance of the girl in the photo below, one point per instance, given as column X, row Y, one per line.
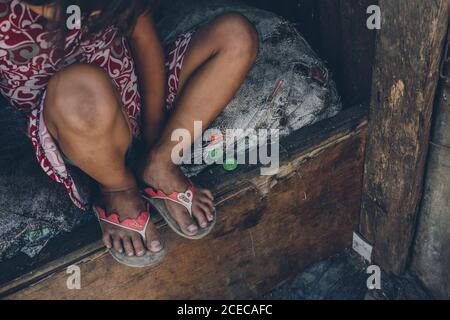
column 97, row 94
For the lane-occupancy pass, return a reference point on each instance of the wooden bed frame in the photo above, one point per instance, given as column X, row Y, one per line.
column 306, row 213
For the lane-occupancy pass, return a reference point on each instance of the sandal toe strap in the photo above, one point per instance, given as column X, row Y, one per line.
column 138, row 224
column 183, row 198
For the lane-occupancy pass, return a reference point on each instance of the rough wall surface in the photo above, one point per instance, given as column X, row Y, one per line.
column 431, row 257
column 33, row 209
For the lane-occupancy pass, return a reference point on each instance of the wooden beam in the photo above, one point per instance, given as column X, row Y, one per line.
column 408, row 53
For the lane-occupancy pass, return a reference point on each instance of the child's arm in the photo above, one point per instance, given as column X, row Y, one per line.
column 149, row 59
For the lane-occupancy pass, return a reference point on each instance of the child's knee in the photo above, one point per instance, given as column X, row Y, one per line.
column 81, row 98
column 239, row 35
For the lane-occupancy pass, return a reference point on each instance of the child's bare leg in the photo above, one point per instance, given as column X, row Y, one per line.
column 219, row 57
column 84, row 114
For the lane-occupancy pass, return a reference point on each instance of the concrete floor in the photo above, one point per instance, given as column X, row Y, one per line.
column 344, row 277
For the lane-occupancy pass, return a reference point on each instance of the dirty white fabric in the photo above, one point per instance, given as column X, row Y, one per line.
column 306, row 93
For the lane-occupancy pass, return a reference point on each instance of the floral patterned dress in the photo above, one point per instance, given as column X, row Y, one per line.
column 28, row 60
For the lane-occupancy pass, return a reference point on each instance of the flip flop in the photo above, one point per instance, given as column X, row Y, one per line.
column 138, row 225
column 157, row 197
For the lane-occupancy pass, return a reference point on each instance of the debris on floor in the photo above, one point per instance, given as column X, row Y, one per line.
column 344, row 277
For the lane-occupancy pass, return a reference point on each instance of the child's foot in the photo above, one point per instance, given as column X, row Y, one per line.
column 127, row 204
column 162, row 174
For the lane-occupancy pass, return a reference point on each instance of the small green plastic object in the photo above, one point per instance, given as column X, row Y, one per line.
column 37, row 235
column 230, row 164
column 216, row 154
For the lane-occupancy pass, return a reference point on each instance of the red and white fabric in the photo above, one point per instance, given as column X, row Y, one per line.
column 28, row 60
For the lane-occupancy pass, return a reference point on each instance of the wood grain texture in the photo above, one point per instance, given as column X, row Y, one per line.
column 269, row 229
column 62, row 251
column 405, row 77
column 352, row 56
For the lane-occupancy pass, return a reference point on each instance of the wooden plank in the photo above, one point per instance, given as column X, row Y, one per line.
column 354, row 70
column 284, row 223
column 408, row 54
column 22, row 271
column 347, row 45
column 19, row 273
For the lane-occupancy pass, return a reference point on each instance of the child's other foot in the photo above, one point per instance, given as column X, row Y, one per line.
column 162, row 174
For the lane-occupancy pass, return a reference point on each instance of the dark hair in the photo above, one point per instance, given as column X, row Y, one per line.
column 121, row 13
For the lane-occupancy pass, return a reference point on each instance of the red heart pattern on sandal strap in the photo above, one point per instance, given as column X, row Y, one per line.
column 183, row 198
column 139, row 224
